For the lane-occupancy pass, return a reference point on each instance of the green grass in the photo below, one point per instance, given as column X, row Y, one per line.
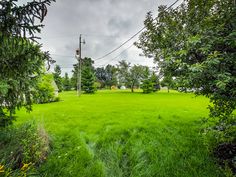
column 118, row 133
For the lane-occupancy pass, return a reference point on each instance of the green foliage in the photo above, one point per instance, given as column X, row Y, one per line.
column 147, row 86
column 168, row 82
column 150, row 83
column 98, row 85
column 111, row 76
column 107, row 76
column 74, row 77
column 88, row 80
column 88, row 76
column 66, row 82
column 57, row 77
column 21, row 60
column 45, row 90
column 123, row 72
column 101, row 76
column 22, row 149
column 131, row 76
column 195, row 43
column 221, row 131
column 19, row 72
column 156, row 83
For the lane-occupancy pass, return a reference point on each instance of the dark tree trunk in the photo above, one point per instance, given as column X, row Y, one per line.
column 132, row 88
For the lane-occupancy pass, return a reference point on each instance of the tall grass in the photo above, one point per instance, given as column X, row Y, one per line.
column 119, row 134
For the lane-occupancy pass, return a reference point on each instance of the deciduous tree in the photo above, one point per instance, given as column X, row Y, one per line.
column 131, row 76
column 111, row 76
column 195, row 43
column 100, row 74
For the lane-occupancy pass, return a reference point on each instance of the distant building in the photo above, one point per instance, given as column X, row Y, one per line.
column 122, row 87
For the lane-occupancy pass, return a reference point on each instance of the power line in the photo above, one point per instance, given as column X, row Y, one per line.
column 67, row 56
column 121, row 44
column 130, row 37
column 123, row 52
column 172, row 4
column 119, row 54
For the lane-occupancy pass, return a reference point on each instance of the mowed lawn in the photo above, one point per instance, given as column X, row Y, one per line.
column 119, row 134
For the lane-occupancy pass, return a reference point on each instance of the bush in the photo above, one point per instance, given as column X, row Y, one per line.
column 97, row 85
column 5, row 120
column 222, row 136
column 45, row 91
column 22, row 149
column 113, row 87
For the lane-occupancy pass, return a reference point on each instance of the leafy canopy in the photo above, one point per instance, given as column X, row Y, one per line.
column 196, row 44
column 131, row 76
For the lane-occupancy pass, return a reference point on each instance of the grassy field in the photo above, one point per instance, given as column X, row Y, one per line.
column 119, row 134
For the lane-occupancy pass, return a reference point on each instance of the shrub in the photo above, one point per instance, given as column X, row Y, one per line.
column 45, row 91
column 222, row 137
column 97, row 85
column 22, row 149
column 113, row 87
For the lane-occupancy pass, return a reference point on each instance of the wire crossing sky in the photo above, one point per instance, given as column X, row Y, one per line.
column 105, row 25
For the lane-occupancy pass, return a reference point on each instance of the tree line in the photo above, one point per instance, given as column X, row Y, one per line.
column 120, row 76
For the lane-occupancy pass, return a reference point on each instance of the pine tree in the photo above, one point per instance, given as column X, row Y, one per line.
column 88, row 80
column 57, row 77
column 66, row 82
column 21, row 58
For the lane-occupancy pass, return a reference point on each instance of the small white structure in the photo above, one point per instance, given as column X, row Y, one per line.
column 122, row 87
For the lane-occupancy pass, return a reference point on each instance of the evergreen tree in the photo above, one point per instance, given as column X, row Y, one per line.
column 88, row 76
column 150, row 83
column 21, row 59
column 156, row 83
column 147, row 86
column 88, row 80
column 74, row 78
column 66, row 82
column 58, row 78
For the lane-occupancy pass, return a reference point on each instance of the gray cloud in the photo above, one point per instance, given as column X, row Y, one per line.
column 104, row 23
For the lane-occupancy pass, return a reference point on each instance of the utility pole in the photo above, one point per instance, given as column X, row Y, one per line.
column 79, row 58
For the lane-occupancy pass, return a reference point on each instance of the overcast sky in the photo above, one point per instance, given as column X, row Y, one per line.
column 104, row 25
